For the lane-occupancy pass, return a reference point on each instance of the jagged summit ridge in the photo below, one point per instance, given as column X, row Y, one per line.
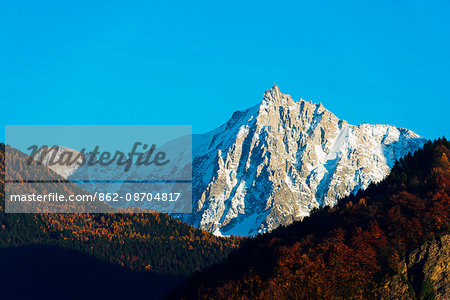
column 272, row 163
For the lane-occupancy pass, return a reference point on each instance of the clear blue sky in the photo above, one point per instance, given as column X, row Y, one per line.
column 191, row 62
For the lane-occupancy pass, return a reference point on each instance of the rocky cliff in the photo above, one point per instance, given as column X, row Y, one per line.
column 426, row 273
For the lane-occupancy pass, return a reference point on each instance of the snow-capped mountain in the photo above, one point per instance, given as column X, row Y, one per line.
column 273, row 163
column 270, row 165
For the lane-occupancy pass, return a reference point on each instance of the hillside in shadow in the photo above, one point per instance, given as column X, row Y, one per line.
column 47, row 272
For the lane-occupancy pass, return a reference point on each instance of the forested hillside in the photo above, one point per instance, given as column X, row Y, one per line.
column 144, row 242
column 354, row 249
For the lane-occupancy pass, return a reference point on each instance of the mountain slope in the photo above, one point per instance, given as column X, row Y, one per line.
column 273, row 163
column 44, row 272
column 149, row 242
column 390, row 241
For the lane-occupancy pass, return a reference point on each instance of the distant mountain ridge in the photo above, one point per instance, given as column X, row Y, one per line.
column 273, row 163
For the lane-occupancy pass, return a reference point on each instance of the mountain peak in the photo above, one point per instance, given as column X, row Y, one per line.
column 275, row 87
column 273, row 163
column 275, row 96
column 273, row 93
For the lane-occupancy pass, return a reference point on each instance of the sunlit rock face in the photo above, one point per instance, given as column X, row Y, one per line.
column 273, row 163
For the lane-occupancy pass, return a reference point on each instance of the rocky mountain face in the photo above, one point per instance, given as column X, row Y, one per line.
column 273, row 163
column 432, row 262
column 426, row 269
